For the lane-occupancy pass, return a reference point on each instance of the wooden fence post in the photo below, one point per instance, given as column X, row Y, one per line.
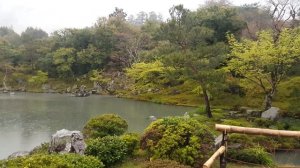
column 222, row 156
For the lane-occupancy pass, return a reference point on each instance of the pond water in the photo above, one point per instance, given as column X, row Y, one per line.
column 27, row 119
column 288, row 158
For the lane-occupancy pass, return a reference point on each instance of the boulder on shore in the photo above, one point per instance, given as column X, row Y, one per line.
column 65, row 141
column 271, row 113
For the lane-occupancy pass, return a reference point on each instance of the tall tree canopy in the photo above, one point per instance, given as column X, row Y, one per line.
column 265, row 61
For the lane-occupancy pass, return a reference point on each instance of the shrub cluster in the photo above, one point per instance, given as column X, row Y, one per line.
column 183, row 140
column 103, row 125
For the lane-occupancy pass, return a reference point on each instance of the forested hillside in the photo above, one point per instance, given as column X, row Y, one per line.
column 219, row 55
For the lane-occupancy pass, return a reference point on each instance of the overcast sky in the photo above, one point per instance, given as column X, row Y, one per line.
column 51, row 15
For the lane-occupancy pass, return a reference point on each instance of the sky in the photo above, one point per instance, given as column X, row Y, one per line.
column 51, row 15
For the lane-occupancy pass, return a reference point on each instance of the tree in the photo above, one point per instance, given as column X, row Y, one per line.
column 203, row 66
column 89, row 58
column 119, row 14
column 283, row 14
column 32, row 40
column 10, row 35
column 266, row 61
column 256, row 19
column 221, row 19
column 40, row 78
column 64, row 58
column 198, row 56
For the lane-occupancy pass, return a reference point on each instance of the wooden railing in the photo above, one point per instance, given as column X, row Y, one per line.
column 256, row 131
column 211, row 160
column 225, row 129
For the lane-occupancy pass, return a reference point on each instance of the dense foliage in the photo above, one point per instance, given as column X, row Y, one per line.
column 42, row 160
column 103, row 125
column 132, row 142
column 183, row 140
column 110, row 149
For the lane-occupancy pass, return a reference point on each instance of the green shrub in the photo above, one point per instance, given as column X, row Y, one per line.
column 164, row 164
column 54, row 161
column 103, row 125
column 256, row 155
column 175, row 138
column 41, row 149
column 132, row 141
column 262, row 122
column 109, row 149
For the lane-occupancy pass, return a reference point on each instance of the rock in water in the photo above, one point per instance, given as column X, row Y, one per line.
column 152, row 118
column 65, row 141
column 271, row 114
column 18, row 154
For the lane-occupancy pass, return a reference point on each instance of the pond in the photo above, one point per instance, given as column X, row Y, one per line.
column 28, row 119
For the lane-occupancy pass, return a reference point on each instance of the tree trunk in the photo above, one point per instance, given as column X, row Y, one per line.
column 207, row 103
column 4, row 79
column 268, row 99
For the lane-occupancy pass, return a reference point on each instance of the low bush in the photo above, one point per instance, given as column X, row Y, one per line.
column 103, row 125
column 256, row 155
column 164, row 164
column 109, row 149
column 132, row 142
column 54, row 161
column 184, row 140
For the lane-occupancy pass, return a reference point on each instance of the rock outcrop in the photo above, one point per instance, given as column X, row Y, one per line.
column 65, row 141
column 272, row 113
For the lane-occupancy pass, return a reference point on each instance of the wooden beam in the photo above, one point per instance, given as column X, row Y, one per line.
column 256, row 131
column 211, row 160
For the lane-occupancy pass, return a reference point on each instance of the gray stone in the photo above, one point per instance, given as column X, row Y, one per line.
column 18, row 154
column 65, row 141
column 218, row 141
column 272, row 113
column 152, row 118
